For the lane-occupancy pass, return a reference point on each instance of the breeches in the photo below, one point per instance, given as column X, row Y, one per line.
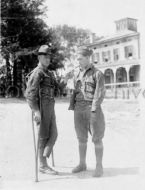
column 87, row 121
column 48, row 128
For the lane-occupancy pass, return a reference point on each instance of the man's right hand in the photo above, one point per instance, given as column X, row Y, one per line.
column 37, row 117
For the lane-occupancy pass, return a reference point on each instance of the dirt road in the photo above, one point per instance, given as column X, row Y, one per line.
column 121, row 153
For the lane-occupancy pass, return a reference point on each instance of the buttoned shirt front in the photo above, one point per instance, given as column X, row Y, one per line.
column 89, row 88
column 40, row 85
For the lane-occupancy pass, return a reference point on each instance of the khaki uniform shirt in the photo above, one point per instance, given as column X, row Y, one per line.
column 89, row 89
column 41, row 85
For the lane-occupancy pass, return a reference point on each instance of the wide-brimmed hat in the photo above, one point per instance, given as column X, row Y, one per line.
column 44, row 50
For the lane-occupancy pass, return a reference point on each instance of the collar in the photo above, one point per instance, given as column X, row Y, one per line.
column 90, row 66
column 42, row 67
column 82, row 73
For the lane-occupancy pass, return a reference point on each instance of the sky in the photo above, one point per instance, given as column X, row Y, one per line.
column 96, row 15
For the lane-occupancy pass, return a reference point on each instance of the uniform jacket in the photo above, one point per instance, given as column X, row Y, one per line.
column 41, row 85
column 89, row 86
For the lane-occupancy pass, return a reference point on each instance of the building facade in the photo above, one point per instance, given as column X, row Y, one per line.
column 118, row 56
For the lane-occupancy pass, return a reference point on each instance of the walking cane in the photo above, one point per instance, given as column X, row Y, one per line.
column 36, row 146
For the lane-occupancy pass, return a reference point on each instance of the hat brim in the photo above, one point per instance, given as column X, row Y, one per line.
column 42, row 53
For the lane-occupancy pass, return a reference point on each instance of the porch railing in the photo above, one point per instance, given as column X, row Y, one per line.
column 124, row 90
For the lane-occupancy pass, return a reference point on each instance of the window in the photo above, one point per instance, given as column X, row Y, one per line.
column 129, row 39
column 128, row 51
column 118, row 42
column 116, row 54
column 96, row 58
column 106, row 56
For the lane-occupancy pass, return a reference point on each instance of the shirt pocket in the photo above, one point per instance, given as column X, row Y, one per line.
column 89, row 85
column 47, row 82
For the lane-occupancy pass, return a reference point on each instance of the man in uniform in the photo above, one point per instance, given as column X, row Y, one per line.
column 40, row 97
column 88, row 116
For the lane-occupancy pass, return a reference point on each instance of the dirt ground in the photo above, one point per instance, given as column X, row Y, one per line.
column 121, row 153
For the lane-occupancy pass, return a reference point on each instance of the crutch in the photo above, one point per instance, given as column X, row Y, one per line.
column 36, row 146
column 52, row 157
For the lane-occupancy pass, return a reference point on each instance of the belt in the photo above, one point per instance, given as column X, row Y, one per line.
column 47, row 93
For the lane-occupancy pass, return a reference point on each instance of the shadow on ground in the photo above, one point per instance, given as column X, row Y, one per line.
column 108, row 172
column 112, row 172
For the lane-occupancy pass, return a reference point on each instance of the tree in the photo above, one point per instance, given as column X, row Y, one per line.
column 72, row 34
column 23, row 31
column 70, row 38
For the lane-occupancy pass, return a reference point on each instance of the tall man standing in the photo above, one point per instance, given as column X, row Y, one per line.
column 88, row 116
column 40, row 97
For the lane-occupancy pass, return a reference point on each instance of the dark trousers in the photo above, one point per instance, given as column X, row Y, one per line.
column 48, row 128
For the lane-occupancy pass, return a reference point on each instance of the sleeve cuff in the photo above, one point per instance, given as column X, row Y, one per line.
column 33, row 105
column 94, row 108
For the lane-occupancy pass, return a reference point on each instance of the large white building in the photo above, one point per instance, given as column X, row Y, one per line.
column 118, row 56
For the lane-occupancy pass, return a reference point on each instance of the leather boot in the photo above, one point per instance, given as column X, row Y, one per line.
column 82, row 155
column 48, row 170
column 99, row 155
column 44, row 168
